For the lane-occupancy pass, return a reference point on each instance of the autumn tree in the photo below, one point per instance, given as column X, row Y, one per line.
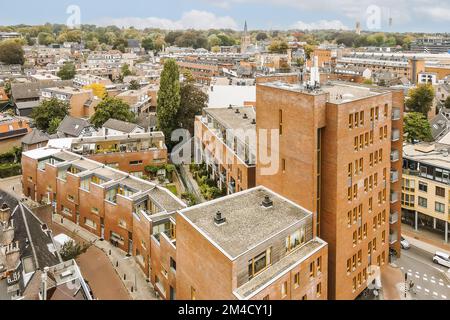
column 111, row 108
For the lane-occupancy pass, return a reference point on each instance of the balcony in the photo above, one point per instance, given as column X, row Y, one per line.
column 395, row 135
column 393, row 218
column 410, row 172
column 394, row 176
column 396, row 114
column 393, row 197
column 395, row 156
column 393, row 238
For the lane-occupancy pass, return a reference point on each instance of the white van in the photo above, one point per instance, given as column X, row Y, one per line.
column 442, row 258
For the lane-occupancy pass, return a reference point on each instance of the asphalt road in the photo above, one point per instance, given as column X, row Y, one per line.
column 429, row 279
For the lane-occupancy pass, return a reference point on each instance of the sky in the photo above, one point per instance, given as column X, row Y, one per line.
column 374, row 15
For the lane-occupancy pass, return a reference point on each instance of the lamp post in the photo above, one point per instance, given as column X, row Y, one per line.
column 406, row 280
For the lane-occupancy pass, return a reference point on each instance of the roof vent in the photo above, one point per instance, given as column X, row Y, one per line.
column 218, row 219
column 245, row 116
column 254, row 121
column 237, row 111
column 267, row 203
column 230, row 107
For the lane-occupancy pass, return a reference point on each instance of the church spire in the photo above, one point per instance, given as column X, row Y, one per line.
column 245, row 27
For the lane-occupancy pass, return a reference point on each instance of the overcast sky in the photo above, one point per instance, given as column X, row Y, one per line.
column 406, row 15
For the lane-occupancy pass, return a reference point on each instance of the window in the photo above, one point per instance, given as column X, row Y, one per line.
column 350, row 121
column 283, row 166
column 349, row 218
column 259, row 263
column 70, row 198
column 386, row 110
column 312, row 269
column 319, row 265
column 281, row 121
column 122, row 223
column 361, row 118
column 296, row 239
column 284, row 289
column 350, row 169
column 423, row 202
column 173, row 264
column 297, row 280
column 354, row 285
column 193, row 294
column 135, row 163
column 305, row 297
column 440, row 192
column 423, row 186
column 266, row 298
column 377, row 113
column 370, row 204
column 361, row 165
column 319, row 290
column 349, row 266
column 355, row 238
column 439, row 207
column 94, row 210
column 355, row 144
column 383, row 237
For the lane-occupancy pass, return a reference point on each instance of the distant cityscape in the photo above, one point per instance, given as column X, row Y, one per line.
column 150, row 164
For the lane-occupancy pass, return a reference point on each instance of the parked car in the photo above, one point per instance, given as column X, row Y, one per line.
column 442, row 258
column 405, row 244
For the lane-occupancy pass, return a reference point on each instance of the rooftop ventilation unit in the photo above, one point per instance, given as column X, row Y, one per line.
column 237, row 111
column 254, row 121
column 245, row 116
column 218, row 219
column 267, row 202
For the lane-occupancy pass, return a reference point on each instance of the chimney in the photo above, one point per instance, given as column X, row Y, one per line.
column 267, row 203
column 5, row 213
column 44, row 284
column 218, row 219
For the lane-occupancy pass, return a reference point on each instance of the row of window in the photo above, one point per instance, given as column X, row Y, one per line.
column 359, row 234
column 371, row 182
column 362, row 141
column 356, row 119
column 375, row 157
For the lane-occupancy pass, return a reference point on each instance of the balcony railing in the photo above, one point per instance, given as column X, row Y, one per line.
column 410, row 172
column 395, row 135
column 394, row 176
column 396, row 114
column 394, row 197
column 393, row 218
column 393, row 238
column 395, row 156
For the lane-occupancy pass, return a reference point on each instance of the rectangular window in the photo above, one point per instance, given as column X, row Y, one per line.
column 281, row 121
column 349, row 265
column 284, row 289
column 136, row 163
column 423, row 186
column 312, row 269
column 259, row 263
column 319, row 290
column 319, row 265
column 193, row 294
column 440, row 192
column 297, row 280
column 350, row 121
column 361, row 118
column 423, row 202
column 439, row 207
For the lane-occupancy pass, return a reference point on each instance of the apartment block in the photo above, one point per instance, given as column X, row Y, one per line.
column 425, row 196
column 339, row 157
column 129, row 153
column 111, row 204
column 76, row 98
column 252, row 245
column 138, row 100
column 227, row 141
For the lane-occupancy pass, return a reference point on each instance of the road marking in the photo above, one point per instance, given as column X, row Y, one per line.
column 419, row 287
column 417, row 276
column 409, row 270
column 425, row 279
column 426, row 290
column 443, row 297
column 441, row 284
column 433, row 281
column 435, row 293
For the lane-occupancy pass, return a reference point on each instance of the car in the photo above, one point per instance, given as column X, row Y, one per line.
column 404, row 243
column 442, row 258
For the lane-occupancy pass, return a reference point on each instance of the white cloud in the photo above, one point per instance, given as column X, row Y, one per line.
column 437, row 13
column 194, row 19
column 320, row 25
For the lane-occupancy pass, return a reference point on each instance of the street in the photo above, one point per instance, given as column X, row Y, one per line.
column 429, row 279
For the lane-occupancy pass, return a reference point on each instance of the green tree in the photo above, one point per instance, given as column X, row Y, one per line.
column 169, row 100
column 278, row 47
column 193, row 100
column 420, row 99
column 148, row 44
column 111, row 108
column 67, row 71
column 125, row 70
column 417, row 127
column 447, row 103
column 134, row 85
column 45, row 38
column 53, row 125
column 71, row 250
column 49, row 111
column 11, row 52
column 261, row 36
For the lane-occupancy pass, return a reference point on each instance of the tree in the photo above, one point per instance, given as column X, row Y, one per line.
column 417, row 127
column 53, row 125
column 447, row 103
column 169, row 98
column 261, row 36
column 134, row 85
column 308, row 51
column 193, row 100
column 125, row 70
column 148, row 44
column 71, row 250
column 111, row 108
column 278, row 47
column 11, row 52
column 67, row 71
column 45, row 38
column 48, row 111
column 98, row 89
column 420, row 99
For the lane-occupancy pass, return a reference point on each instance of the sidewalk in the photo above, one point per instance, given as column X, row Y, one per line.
column 126, row 267
column 424, row 240
column 393, row 284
